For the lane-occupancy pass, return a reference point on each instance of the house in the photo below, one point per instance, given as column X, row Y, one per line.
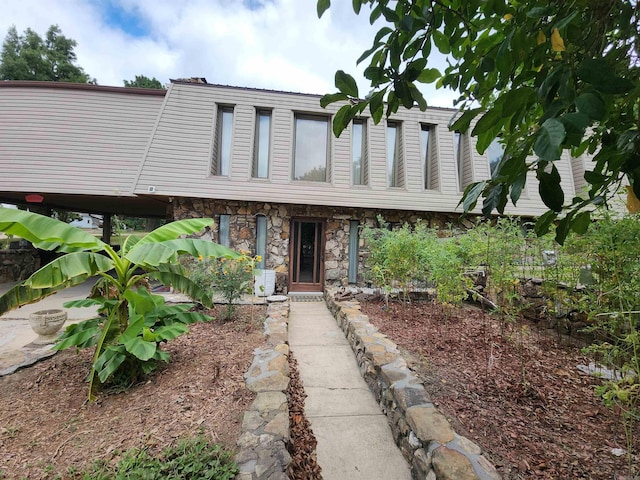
column 264, row 164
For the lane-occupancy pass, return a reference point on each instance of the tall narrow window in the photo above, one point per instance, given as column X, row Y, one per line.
column 261, row 240
column 261, row 147
column 457, row 137
column 353, row 250
column 425, row 130
column 223, row 230
column 311, row 148
column 394, row 165
column 495, row 151
column 222, row 145
column 359, row 169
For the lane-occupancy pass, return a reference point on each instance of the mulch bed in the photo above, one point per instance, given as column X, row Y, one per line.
column 304, row 465
column 48, row 428
column 512, row 389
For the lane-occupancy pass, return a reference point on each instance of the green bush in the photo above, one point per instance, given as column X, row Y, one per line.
column 229, row 277
column 193, row 459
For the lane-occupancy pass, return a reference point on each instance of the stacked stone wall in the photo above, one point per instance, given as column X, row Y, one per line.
column 423, row 434
column 18, row 265
column 242, row 230
column 263, row 443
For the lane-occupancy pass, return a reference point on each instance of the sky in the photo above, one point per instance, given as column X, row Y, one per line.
column 273, row 44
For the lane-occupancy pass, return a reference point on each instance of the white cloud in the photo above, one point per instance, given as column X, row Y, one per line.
column 282, row 46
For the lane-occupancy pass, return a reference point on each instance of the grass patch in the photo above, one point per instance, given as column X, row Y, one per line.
column 191, row 458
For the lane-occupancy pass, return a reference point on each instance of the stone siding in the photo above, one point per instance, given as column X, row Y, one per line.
column 18, row 265
column 263, row 453
column 242, row 230
column 425, row 437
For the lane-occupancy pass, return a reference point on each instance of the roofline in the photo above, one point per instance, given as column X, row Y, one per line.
column 255, row 89
column 82, row 86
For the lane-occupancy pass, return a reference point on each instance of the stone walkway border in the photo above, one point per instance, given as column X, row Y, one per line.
column 425, row 437
column 262, row 446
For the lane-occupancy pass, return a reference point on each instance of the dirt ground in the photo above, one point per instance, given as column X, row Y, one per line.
column 47, row 428
column 514, row 391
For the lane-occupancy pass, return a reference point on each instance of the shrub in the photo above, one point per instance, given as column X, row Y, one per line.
column 229, row 277
column 193, row 459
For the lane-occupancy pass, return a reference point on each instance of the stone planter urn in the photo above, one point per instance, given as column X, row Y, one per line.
column 47, row 323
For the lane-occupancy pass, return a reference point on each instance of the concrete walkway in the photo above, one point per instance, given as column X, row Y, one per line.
column 354, row 438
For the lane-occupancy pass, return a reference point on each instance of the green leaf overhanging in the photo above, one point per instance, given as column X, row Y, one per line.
column 154, row 254
column 70, row 267
column 46, row 233
column 174, row 230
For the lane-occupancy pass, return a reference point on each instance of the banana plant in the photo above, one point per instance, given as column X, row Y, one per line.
column 127, row 336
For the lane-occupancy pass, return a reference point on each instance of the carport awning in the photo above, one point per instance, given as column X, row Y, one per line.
column 131, row 206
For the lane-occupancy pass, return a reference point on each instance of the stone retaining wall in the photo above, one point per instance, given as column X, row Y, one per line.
column 425, row 437
column 262, row 452
column 18, row 265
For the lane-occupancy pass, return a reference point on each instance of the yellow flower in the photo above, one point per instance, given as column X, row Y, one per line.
column 200, row 258
column 259, row 258
column 508, row 17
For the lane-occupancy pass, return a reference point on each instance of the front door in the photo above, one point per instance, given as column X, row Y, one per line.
column 306, row 265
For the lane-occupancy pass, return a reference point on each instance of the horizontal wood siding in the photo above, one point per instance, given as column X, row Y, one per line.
column 111, row 143
column 196, row 103
column 54, row 140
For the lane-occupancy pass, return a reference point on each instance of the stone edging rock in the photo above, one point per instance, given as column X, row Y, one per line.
column 425, row 437
column 262, row 446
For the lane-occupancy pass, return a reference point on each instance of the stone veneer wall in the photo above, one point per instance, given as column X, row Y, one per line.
column 18, row 265
column 242, row 230
column 425, row 437
column 263, row 453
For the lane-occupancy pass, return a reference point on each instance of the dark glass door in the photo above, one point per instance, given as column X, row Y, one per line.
column 306, row 266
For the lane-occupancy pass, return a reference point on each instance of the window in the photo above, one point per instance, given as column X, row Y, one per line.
column 223, row 230
column 465, row 173
column 311, row 148
column 425, row 131
column 359, row 150
column 395, row 171
column 353, row 250
column 261, row 146
column 495, row 151
column 261, row 240
column 222, row 141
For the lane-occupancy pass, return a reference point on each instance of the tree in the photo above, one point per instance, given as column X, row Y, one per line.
column 142, row 81
column 545, row 76
column 29, row 57
column 127, row 338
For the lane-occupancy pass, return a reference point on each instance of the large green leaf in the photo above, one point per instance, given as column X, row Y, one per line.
column 342, row 118
column 22, row 295
column 46, row 233
column 140, row 348
column 176, row 229
column 591, row 105
column 142, row 302
column 331, row 98
column 346, row 84
column 549, row 140
column 550, row 189
column 80, row 335
column 136, row 324
column 183, row 284
column 109, row 361
column 61, row 271
column 169, row 332
column 599, row 73
column 154, row 254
